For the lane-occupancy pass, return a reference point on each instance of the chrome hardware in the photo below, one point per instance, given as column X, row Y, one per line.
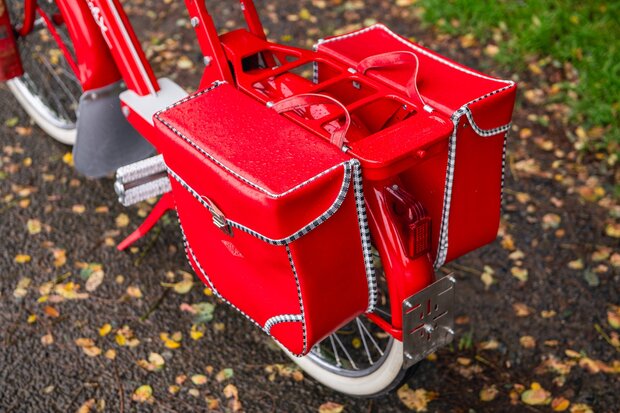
column 142, row 180
column 219, row 220
column 428, row 320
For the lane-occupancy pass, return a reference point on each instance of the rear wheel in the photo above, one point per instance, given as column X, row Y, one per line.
column 49, row 90
column 360, row 359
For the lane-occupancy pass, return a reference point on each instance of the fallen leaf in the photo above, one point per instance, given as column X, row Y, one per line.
column 613, row 230
column 22, row 258
column 521, row 309
column 86, row 406
column 230, row 391
column 95, row 280
column 134, row 291
column 519, row 273
column 489, row 345
column 22, row 287
column 559, row 404
column 551, row 221
column 67, row 158
column 613, row 316
column 143, row 394
column 51, row 312
column 182, row 287
column 488, row 393
column 110, row 354
column 331, row 407
column 195, row 333
column 224, row 374
column 169, row 342
column 581, row 408
column 60, row 257
column 47, row 339
column 576, row 264
column 527, row 342
column 33, row 226
column 122, row 220
column 536, row 396
column 415, row 399
column 105, row 329
column 199, row 379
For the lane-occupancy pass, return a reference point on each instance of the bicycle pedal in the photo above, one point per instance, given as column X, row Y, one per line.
column 142, row 180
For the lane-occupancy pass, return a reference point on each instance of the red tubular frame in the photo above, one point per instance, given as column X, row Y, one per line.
column 107, row 50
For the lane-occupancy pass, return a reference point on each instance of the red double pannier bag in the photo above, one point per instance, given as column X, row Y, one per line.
column 460, row 180
column 273, row 216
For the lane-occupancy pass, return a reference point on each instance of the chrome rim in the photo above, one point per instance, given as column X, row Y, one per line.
column 49, row 84
column 360, row 347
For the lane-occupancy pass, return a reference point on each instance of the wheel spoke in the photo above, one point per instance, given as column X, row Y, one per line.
column 359, row 326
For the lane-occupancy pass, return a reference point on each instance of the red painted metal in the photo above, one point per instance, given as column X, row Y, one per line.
column 252, row 20
column 95, row 65
column 124, row 46
column 216, row 65
column 63, row 47
column 165, row 204
column 10, row 63
column 274, row 179
column 30, row 12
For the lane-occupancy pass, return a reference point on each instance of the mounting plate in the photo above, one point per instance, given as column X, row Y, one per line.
column 428, row 320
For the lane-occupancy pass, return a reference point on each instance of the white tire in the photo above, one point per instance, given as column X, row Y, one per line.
column 63, row 132
column 380, row 380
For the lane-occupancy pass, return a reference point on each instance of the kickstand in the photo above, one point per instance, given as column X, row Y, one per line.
column 165, row 204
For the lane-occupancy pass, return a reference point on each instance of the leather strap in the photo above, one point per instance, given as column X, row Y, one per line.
column 391, row 59
column 304, row 100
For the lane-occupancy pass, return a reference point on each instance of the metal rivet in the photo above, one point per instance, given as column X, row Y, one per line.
column 207, row 60
column 125, row 111
column 194, row 21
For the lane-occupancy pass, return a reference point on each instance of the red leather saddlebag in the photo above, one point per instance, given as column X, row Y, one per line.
column 273, row 216
column 460, row 182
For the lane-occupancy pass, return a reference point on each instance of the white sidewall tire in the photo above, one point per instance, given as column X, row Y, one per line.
column 380, row 380
column 25, row 99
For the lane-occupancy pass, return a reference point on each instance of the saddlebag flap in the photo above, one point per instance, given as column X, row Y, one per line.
column 460, row 181
column 273, row 216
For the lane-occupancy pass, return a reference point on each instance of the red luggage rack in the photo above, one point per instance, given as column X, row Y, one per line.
column 271, row 72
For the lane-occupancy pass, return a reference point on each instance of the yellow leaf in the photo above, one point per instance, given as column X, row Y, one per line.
column 613, row 230
column 173, row 389
column 105, row 329
column 331, row 407
column 121, row 340
column 580, row 408
column 22, row 258
column 415, row 399
column 143, row 394
column 356, row 342
column 519, row 273
column 156, row 360
column 78, row 209
column 488, row 393
column 199, row 379
column 32, row 318
column 22, row 287
column 34, row 226
column 122, row 220
column 110, row 354
column 134, row 291
column 195, row 334
column 86, row 406
column 68, row 158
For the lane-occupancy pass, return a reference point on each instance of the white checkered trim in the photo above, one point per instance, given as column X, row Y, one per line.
column 284, row 318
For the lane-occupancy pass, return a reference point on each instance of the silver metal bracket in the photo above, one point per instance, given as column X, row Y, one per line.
column 428, row 320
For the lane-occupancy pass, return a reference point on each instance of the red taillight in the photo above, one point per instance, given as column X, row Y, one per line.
column 415, row 223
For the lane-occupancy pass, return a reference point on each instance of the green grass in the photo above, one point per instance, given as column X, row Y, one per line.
column 584, row 33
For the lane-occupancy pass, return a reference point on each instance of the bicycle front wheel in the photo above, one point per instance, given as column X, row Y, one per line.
column 49, row 90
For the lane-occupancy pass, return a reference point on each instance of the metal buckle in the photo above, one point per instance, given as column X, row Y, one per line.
column 428, row 320
column 219, row 220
